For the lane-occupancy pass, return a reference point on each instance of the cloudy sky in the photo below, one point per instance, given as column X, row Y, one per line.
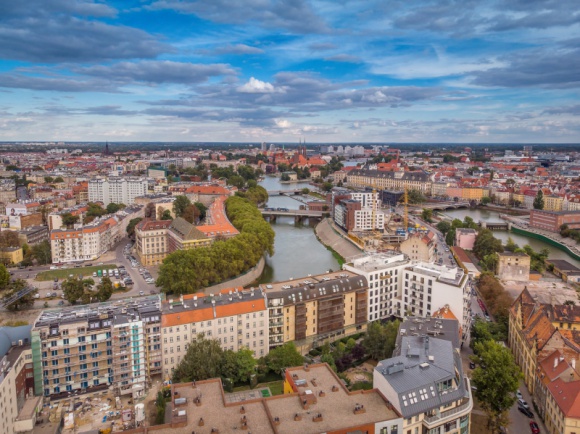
column 469, row 71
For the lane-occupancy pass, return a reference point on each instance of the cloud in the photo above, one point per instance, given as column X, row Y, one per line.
column 344, row 58
column 239, row 49
column 564, row 110
column 56, row 84
column 157, row 72
column 322, row 46
column 294, row 15
column 257, row 86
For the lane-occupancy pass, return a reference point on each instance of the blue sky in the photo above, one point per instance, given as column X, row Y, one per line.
column 466, row 71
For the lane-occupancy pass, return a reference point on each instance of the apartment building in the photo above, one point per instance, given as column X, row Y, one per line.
column 18, row 403
column 553, row 220
column 237, row 318
column 424, row 381
column 84, row 243
column 117, row 189
column 312, row 310
column 89, row 348
column 33, row 235
column 344, row 214
column 513, row 266
column 182, row 235
column 390, row 180
column 420, row 246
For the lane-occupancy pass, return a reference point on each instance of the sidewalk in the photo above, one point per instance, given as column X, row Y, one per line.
column 330, row 237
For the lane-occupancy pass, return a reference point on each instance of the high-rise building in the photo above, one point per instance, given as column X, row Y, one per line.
column 117, row 190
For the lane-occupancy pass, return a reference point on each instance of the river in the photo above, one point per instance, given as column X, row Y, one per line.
column 297, row 252
column 492, row 216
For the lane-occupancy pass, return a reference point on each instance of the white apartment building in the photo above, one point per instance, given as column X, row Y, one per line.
column 370, row 216
column 236, row 318
column 117, row 190
column 84, row 243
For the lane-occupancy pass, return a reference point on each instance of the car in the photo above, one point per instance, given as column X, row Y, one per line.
column 526, row 412
column 141, row 292
column 53, row 267
column 534, row 427
column 94, row 274
column 522, row 403
column 471, row 365
column 519, row 395
column 36, row 295
column 151, row 291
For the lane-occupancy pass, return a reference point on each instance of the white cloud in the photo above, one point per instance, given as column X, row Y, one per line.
column 283, row 123
column 257, row 86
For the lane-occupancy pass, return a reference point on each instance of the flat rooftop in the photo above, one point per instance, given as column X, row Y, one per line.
column 378, row 261
column 336, row 407
column 443, row 273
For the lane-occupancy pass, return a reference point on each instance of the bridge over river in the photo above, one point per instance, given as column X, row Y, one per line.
column 298, row 214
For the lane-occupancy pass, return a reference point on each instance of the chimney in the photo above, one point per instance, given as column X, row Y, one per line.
column 555, row 362
column 574, row 364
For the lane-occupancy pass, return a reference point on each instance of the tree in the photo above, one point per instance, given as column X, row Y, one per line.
column 539, row 200
column 42, row 252
column 24, row 302
column 305, row 190
column 485, row 200
column 284, row 356
column 379, row 341
column 486, row 244
column 180, row 203
column 415, row 196
column 285, row 177
column 9, row 239
column 450, row 237
column 443, row 226
column 237, row 181
column 497, row 383
column 149, row 211
column 131, row 226
column 112, row 208
column 48, row 179
column 245, row 363
column 252, row 183
column 74, row 289
column 201, row 362
column 191, row 214
column 427, row 214
column 166, row 215
column 4, row 277
column 202, row 210
column 510, row 245
column 58, row 179
column 327, row 186
column 69, row 220
column 104, row 289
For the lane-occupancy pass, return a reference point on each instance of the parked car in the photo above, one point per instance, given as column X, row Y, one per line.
column 534, row 427
column 471, row 365
column 527, row 412
column 522, row 403
column 141, row 292
column 519, row 395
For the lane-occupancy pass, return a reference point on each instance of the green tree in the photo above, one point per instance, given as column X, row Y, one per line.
column 427, row 214
column 180, row 204
column 489, row 262
column 69, row 220
column 497, row 383
column 191, row 214
column 75, row 289
column 112, row 208
column 149, row 211
column 22, row 303
column 305, row 190
column 415, row 196
column 237, row 181
column 486, row 244
column 510, row 245
column 485, row 200
column 285, row 177
column 95, row 210
column 42, row 252
column 252, row 183
column 539, row 200
column 443, row 226
column 9, row 239
column 48, row 179
column 131, row 226
column 327, row 186
column 201, row 362
column 284, row 356
column 379, row 341
column 58, row 179
column 450, row 237
column 166, row 215
column 4, row 277
column 104, row 289
column 202, row 210
column 246, row 364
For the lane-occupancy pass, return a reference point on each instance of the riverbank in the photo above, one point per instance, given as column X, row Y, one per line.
column 243, row 280
column 336, row 242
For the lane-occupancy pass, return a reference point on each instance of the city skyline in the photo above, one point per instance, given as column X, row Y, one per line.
column 267, row 70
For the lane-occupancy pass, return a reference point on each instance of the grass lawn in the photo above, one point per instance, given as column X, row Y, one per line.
column 276, row 387
column 63, row 274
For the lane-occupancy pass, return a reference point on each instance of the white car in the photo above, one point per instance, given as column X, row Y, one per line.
column 141, row 292
column 54, row 267
column 519, row 395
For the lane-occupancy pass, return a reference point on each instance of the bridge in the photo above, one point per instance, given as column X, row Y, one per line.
column 495, row 226
column 18, row 295
column 284, row 192
column 299, row 214
column 440, row 206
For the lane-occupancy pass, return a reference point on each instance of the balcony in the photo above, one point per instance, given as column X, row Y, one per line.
column 463, row 409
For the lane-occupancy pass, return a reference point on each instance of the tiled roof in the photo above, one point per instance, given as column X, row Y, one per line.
column 567, row 396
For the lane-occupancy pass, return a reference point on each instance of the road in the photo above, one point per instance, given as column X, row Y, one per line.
column 442, row 247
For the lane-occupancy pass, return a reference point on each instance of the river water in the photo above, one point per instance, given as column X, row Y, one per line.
column 297, row 252
column 492, row 216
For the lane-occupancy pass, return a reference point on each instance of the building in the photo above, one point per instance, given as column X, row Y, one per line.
column 465, row 238
column 33, row 235
column 513, row 266
column 553, row 220
column 390, row 180
column 117, row 190
column 151, row 241
column 420, row 246
column 89, row 348
column 316, row 309
column 424, row 381
column 344, row 214
column 391, row 197
column 315, row 401
column 18, row 403
column 11, row 255
column 237, row 318
column 565, row 270
column 182, row 235
column 84, row 243
column 358, row 211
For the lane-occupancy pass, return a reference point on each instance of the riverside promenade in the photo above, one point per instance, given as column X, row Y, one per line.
column 332, row 237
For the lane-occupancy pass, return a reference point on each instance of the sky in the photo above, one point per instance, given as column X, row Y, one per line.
column 368, row 71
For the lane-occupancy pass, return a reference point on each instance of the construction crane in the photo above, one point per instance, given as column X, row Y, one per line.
column 406, row 211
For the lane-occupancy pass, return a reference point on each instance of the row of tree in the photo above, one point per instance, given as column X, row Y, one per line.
column 188, row 271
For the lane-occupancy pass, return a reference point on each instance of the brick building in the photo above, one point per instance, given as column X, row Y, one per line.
column 553, row 220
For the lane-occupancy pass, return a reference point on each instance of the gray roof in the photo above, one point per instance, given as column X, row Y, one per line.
column 10, row 335
column 415, row 374
column 186, row 230
column 440, row 328
column 417, row 176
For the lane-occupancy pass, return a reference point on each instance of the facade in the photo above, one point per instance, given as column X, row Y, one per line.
column 237, row 318
column 390, row 180
column 465, row 238
column 391, row 197
column 117, row 190
column 513, row 266
column 316, row 309
column 344, row 214
column 11, row 255
column 424, row 381
column 182, row 235
column 552, row 220
column 420, row 246
column 151, row 241
column 97, row 346
column 33, row 235
column 18, row 403
column 358, row 211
